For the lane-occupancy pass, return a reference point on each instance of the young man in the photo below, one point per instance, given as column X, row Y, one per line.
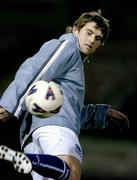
column 51, row 146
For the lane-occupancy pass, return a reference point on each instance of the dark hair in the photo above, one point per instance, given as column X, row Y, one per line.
column 94, row 16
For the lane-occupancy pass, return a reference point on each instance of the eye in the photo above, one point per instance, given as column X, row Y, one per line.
column 98, row 38
column 89, row 33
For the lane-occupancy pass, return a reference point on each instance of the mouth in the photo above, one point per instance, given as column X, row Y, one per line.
column 88, row 46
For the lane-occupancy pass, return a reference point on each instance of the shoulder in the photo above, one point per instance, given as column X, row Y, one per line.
column 68, row 41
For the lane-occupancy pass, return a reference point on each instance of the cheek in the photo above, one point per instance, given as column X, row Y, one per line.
column 81, row 40
column 97, row 45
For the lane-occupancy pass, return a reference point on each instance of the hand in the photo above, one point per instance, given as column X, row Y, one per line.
column 4, row 115
column 119, row 118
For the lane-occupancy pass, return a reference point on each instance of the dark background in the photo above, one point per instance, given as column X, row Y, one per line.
column 111, row 77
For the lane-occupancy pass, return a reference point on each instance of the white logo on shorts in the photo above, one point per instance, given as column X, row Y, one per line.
column 78, row 150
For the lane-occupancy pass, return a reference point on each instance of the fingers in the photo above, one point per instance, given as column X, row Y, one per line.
column 4, row 115
column 126, row 120
column 2, row 110
column 119, row 118
column 122, row 118
column 121, row 124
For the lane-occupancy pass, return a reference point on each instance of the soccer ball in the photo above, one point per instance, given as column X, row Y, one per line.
column 44, row 99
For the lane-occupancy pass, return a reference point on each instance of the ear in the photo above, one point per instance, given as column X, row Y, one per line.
column 75, row 30
column 68, row 29
column 102, row 44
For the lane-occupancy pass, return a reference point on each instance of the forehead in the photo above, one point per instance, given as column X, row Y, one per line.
column 92, row 26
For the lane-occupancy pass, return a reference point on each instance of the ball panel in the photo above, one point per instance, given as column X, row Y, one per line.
column 44, row 98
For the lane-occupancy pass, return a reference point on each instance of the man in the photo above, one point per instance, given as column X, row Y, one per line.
column 51, row 146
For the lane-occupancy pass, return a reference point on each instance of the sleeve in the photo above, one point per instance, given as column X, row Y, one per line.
column 16, row 89
column 94, row 116
column 34, row 68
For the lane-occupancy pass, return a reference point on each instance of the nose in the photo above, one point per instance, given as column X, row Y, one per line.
column 92, row 38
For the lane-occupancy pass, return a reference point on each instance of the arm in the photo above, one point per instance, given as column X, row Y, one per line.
column 36, row 68
column 119, row 118
column 94, row 116
column 13, row 97
column 98, row 117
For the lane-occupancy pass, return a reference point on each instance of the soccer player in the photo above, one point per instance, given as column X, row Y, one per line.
column 50, row 146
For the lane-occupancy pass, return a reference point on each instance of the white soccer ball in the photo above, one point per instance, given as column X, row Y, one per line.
column 44, row 99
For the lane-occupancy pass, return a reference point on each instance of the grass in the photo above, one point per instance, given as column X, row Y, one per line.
column 109, row 158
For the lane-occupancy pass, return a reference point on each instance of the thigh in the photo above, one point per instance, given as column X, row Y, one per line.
column 56, row 140
column 63, row 143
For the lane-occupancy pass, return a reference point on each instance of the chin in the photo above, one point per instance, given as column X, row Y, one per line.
column 87, row 53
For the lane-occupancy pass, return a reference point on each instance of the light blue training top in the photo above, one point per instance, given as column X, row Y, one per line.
column 59, row 60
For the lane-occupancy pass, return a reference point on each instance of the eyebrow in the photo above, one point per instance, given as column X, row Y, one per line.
column 93, row 32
